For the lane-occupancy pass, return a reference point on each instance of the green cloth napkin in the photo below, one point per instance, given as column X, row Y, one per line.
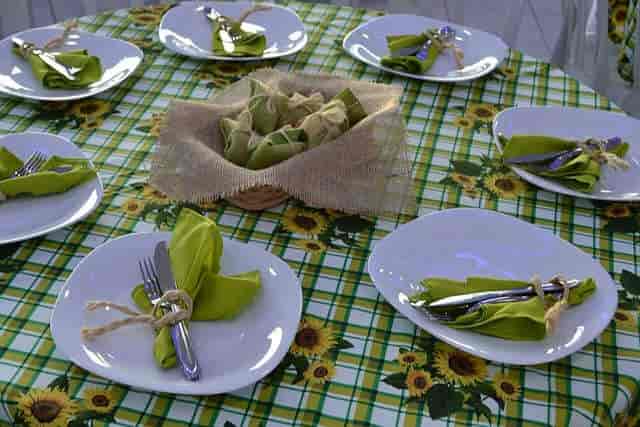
column 355, row 110
column 249, row 44
column 266, row 106
column 410, row 63
column 91, row 69
column 45, row 181
column 326, row 124
column 523, row 320
column 237, row 134
column 195, row 251
column 580, row 173
column 278, row 146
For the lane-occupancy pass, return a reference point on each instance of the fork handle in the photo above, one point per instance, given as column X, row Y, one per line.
column 184, row 350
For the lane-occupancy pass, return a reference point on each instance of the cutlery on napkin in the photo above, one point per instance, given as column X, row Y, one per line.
column 229, row 39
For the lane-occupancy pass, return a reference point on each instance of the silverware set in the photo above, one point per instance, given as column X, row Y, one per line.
column 33, row 163
column 48, row 58
column 226, row 30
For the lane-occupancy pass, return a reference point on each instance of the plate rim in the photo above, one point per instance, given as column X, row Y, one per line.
column 58, row 226
column 562, row 189
column 425, row 77
column 231, row 58
column 548, row 358
column 78, row 96
column 286, row 344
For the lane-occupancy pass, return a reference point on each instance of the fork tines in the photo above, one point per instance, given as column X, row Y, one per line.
column 33, row 163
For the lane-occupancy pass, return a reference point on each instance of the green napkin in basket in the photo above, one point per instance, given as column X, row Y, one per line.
column 195, row 251
column 278, row 146
column 249, row 44
column 91, row 69
column 523, row 320
column 580, row 173
column 46, row 180
column 410, row 63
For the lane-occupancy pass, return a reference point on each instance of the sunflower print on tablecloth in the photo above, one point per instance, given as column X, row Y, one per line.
column 490, row 176
column 477, row 116
column 86, row 114
column 319, row 372
column 411, row 359
column 98, row 400
column 626, row 320
column 617, row 18
column 418, row 382
column 222, row 73
column 133, row 207
column 507, row 386
column 46, row 408
column 153, row 125
column 148, row 16
column 619, row 217
column 459, row 367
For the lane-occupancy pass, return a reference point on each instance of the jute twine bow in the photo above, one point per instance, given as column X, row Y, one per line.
column 458, row 53
column 176, row 296
column 552, row 314
column 252, row 9
column 597, row 149
column 69, row 26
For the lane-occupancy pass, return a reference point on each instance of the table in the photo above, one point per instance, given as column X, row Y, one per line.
column 362, row 379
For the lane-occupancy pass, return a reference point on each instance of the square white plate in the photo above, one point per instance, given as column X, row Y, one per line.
column 457, row 243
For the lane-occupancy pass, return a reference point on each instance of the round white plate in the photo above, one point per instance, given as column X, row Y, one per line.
column 575, row 123
column 232, row 354
column 185, row 30
column 483, row 52
column 119, row 60
column 457, row 243
column 25, row 218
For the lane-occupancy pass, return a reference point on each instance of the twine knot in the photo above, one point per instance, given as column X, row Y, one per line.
column 597, row 149
column 552, row 314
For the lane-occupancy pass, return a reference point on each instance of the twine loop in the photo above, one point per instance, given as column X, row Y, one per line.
column 552, row 314
column 597, row 149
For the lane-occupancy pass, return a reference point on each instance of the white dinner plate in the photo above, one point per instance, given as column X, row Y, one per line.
column 483, row 52
column 118, row 58
column 232, row 354
column 27, row 217
column 185, row 30
column 576, row 123
column 458, row 243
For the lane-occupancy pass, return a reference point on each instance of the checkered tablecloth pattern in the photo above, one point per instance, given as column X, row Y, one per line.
column 367, row 383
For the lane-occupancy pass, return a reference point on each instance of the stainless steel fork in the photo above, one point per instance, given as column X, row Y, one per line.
column 31, row 165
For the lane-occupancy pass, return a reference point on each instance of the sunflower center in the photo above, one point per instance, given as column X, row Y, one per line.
column 619, row 210
column 313, row 246
column 505, row 184
column 483, row 112
column 100, row 400
column 622, row 15
column 305, row 222
column 620, row 316
column 132, row 206
column 420, row 382
column 320, row 372
column 461, row 365
column 45, row 411
column 409, row 359
column 507, row 387
column 306, row 337
column 88, row 109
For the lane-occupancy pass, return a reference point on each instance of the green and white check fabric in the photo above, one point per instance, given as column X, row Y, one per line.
column 597, row 386
column 628, row 47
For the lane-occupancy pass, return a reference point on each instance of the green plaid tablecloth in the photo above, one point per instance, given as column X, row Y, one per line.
column 366, row 364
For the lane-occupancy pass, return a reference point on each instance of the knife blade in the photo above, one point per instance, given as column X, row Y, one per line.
column 179, row 332
column 47, row 58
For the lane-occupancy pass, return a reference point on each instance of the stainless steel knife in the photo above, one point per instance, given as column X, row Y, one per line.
column 179, row 332
column 47, row 58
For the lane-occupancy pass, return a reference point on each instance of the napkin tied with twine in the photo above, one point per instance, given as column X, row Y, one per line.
column 366, row 170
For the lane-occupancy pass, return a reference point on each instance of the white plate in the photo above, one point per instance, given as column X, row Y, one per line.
column 483, row 52
column 575, row 123
column 119, row 60
column 25, row 218
column 232, row 354
column 458, row 243
column 185, row 30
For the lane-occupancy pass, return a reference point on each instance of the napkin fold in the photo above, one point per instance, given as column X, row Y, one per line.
column 90, row 69
column 195, row 251
column 248, row 44
column 410, row 63
column 518, row 321
column 277, row 147
column 46, row 180
column 580, row 172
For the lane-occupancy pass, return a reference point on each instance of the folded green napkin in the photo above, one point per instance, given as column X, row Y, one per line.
column 248, row 44
column 326, row 124
column 355, row 110
column 195, row 251
column 237, row 135
column 91, row 69
column 278, row 146
column 266, row 106
column 410, row 63
column 523, row 320
column 46, row 180
column 298, row 107
column 579, row 173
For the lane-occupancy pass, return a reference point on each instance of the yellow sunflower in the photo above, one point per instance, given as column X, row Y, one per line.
column 507, row 387
column 91, row 123
column 470, row 192
column 312, row 338
column 313, row 246
column 464, row 122
column 617, row 210
column 616, row 36
column 623, row 420
column 464, row 180
column 229, row 69
column 506, row 186
column 151, row 193
column 133, row 207
column 460, row 367
column 508, row 72
column 303, row 221
column 482, row 112
column 100, row 401
column 411, row 359
column 320, row 371
column 418, row 382
column 46, row 408
column 626, row 320
column 90, row 108
column 619, row 15
column 54, row 106
column 145, row 18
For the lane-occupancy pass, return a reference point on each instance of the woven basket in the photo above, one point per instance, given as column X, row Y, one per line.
column 258, row 198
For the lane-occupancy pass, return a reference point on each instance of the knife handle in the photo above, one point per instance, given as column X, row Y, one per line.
column 184, row 350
